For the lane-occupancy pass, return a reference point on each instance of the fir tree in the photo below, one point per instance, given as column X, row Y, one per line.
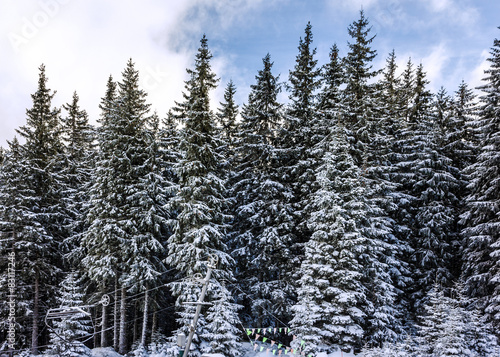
column 200, row 227
column 427, row 192
column 481, row 218
column 330, row 97
column 223, row 317
column 262, row 217
column 18, row 229
column 228, row 113
column 78, row 136
column 35, row 229
column 359, row 107
column 369, row 134
column 126, row 218
column 462, row 139
column 436, row 311
column 68, row 334
column 298, row 137
column 333, row 293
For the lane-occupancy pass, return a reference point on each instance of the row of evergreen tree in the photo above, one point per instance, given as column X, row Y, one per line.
column 335, row 213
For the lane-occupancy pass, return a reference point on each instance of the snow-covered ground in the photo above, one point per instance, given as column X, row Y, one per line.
column 105, row 352
column 248, row 352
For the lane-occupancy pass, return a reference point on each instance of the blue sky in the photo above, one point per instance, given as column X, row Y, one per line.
column 82, row 42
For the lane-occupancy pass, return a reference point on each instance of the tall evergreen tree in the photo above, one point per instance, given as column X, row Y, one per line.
column 359, row 106
column 200, row 227
column 66, row 339
column 228, row 113
column 481, row 217
column 334, row 306
column 297, row 154
column 78, row 136
column 330, row 96
column 462, row 138
column 261, row 244
column 368, row 132
column 426, row 194
column 298, row 137
column 19, row 229
column 34, row 225
column 126, row 217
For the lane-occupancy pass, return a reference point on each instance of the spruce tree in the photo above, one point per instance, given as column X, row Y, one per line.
column 298, row 137
column 66, row 340
column 334, row 306
column 36, row 231
column 126, row 218
column 261, row 243
column 19, row 229
column 227, row 114
column 435, row 312
column 329, row 97
column 368, row 136
column 223, row 325
column 481, row 217
column 427, row 187
column 200, row 227
column 462, row 139
column 78, row 136
column 359, row 107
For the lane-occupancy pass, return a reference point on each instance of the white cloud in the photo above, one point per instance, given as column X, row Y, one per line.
column 83, row 42
column 453, row 11
column 434, row 63
column 475, row 79
column 440, row 5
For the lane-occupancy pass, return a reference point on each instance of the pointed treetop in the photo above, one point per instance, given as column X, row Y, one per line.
column 304, row 78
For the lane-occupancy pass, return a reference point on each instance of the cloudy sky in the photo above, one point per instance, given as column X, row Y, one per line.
column 82, row 42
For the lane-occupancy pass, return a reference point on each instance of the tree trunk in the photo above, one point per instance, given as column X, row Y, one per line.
column 154, row 325
column 122, row 348
column 96, row 329
column 134, row 326
column 104, row 340
column 145, row 318
column 115, row 318
column 36, row 316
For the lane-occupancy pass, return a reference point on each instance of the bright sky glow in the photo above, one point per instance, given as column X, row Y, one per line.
column 82, row 42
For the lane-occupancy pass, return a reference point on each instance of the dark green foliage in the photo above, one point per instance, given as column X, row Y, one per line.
column 263, row 218
column 481, row 217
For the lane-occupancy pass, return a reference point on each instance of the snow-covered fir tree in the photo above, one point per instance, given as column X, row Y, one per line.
column 451, row 327
column 435, row 313
column 32, row 215
column 69, row 332
column 333, row 305
column 382, row 159
column 126, row 217
column 329, row 98
column 363, row 118
column 462, row 137
column 426, row 192
column 223, row 323
column 200, row 227
column 227, row 114
column 170, row 154
column 298, row 139
column 481, row 217
column 79, row 137
column 19, row 229
column 263, row 218
column 358, row 98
